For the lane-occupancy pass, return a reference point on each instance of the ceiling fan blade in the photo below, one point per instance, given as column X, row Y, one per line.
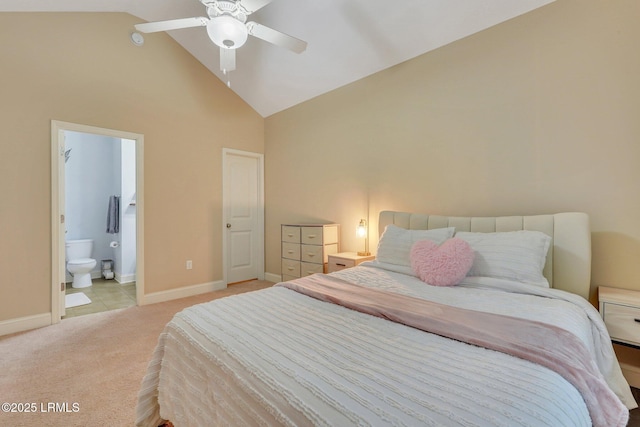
column 173, row 24
column 253, row 5
column 276, row 37
column 227, row 59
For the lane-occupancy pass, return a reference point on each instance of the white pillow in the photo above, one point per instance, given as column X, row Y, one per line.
column 515, row 255
column 395, row 243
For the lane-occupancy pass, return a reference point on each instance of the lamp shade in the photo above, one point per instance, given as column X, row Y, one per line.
column 227, row 32
column 361, row 231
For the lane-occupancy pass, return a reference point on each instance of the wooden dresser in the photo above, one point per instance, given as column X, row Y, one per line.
column 306, row 248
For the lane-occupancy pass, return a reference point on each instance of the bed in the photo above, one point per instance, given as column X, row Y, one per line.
column 512, row 342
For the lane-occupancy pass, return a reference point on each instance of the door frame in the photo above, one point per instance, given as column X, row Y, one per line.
column 57, row 207
column 259, row 245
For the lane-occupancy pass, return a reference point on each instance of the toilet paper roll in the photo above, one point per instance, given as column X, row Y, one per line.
column 108, row 275
column 114, row 244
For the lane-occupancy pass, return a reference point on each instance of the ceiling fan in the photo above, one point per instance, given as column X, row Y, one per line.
column 228, row 28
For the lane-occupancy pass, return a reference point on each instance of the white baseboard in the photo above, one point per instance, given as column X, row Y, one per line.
column 273, row 277
column 631, row 374
column 123, row 279
column 26, row 323
column 183, row 292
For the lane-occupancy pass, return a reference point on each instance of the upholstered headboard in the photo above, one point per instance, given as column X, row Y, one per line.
column 568, row 264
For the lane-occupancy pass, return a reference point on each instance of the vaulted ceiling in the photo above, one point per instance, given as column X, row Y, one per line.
column 347, row 39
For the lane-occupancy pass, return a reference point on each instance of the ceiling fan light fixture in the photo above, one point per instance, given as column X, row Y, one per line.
column 227, row 32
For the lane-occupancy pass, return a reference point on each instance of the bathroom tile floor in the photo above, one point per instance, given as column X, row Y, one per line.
column 105, row 295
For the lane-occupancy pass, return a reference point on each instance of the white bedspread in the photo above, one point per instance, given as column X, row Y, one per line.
column 275, row 357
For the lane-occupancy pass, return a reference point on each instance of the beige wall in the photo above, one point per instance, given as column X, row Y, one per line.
column 537, row 115
column 82, row 68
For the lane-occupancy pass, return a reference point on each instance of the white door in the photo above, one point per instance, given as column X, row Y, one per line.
column 243, row 217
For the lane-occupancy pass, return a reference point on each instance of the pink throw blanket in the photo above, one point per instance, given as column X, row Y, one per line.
column 544, row 344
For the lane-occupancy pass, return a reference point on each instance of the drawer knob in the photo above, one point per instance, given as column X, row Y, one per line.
column 311, row 254
column 311, row 236
column 341, row 265
column 637, row 320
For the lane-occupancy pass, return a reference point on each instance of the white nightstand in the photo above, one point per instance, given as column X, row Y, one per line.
column 343, row 260
column 620, row 310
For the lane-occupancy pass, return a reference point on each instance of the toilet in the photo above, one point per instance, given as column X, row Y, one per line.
column 79, row 263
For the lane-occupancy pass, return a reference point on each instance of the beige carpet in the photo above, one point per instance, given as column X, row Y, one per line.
column 90, row 366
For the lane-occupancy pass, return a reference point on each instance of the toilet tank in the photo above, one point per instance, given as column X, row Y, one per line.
column 75, row 249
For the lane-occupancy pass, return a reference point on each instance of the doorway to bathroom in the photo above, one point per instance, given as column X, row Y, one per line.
column 97, row 197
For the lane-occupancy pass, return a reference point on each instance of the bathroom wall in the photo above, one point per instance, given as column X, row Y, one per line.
column 94, row 171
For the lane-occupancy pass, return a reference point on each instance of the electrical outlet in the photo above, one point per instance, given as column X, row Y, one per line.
column 189, row 264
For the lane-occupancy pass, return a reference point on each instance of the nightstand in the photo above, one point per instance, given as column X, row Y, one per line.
column 343, row 260
column 620, row 310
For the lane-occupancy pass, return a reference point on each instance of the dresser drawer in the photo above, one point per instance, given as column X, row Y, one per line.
column 290, row 250
column 337, row 264
column 290, row 234
column 319, row 235
column 311, row 253
column 311, row 235
column 307, row 268
column 340, row 261
column 290, row 268
column 623, row 322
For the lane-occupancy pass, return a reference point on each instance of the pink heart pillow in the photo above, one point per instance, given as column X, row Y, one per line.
column 444, row 265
